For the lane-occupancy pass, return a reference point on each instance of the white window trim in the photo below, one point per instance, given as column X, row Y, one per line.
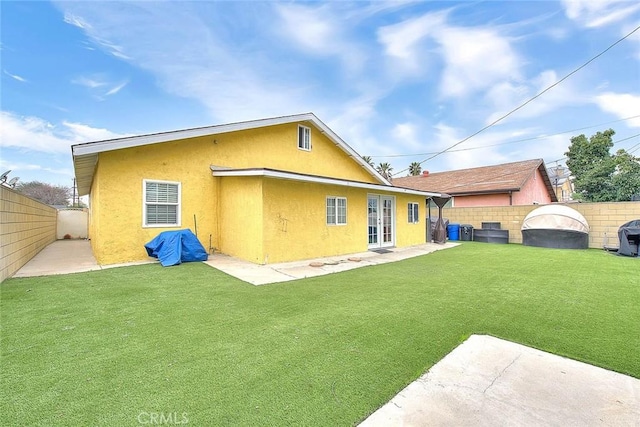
column 303, row 147
column 144, row 204
column 410, row 210
column 335, row 213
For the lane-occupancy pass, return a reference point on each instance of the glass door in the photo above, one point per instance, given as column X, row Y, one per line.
column 373, row 221
column 380, row 221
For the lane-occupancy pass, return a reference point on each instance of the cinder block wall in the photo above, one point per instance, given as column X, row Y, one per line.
column 26, row 227
column 604, row 219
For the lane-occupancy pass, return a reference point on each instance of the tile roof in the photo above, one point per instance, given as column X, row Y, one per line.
column 483, row 180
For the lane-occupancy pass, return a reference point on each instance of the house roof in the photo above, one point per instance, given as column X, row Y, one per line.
column 85, row 155
column 495, row 179
column 220, row 171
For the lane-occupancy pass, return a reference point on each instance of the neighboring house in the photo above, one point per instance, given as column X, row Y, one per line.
column 518, row 183
column 562, row 184
column 266, row 191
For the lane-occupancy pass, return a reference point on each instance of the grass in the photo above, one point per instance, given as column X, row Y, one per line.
column 111, row 347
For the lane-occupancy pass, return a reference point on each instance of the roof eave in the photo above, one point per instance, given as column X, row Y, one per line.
column 84, row 150
column 278, row 174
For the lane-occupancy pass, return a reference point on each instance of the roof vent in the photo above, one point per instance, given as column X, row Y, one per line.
column 425, row 173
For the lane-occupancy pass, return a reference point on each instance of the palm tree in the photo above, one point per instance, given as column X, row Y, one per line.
column 368, row 160
column 385, row 170
column 415, row 169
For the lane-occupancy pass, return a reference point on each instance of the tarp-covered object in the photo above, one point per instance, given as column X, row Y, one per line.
column 175, row 247
column 555, row 226
column 629, row 235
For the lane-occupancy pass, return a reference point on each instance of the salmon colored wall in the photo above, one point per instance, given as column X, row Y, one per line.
column 533, row 191
column 481, row 200
column 116, row 230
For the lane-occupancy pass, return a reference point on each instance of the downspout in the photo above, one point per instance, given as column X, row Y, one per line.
column 510, row 198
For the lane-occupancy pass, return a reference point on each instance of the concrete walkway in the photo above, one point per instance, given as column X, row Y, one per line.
column 64, row 257
column 283, row 272
column 75, row 256
column 487, row 381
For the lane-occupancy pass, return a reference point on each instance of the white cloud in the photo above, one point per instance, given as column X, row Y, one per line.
column 36, row 134
column 99, row 85
column 403, row 42
column 599, row 13
column 17, row 167
column 506, row 97
column 474, row 57
column 117, row 88
column 320, row 31
column 16, row 77
column 89, row 82
column 76, row 21
column 622, row 105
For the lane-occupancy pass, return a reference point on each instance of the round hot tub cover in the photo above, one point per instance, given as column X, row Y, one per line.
column 555, row 226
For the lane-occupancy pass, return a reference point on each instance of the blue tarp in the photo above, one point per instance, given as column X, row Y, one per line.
column 175, row 247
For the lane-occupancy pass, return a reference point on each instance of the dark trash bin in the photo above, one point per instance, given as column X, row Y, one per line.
column 466, row 232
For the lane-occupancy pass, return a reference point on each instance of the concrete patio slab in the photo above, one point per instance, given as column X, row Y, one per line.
column 283, row 272
column 487, row 381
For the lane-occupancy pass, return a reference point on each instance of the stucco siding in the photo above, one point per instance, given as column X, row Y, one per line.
column 409, row 234
column 276, row 147
column 533, row 191
column 262, row 220
column 481, row 200
column 241, row 218
column 117, row 230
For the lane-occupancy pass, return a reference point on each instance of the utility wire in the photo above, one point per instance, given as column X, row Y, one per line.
column 509, row 142
column 614, row 143
column 530, row 99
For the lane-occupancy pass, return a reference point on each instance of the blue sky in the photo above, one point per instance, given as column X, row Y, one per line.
column 396, row 80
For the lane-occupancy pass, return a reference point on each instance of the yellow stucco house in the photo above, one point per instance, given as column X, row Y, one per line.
column 266, row 191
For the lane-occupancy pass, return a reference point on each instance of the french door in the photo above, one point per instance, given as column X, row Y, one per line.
column 380, row 214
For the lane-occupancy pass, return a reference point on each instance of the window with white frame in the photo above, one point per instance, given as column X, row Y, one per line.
column 336, row 210
column 304, row 138
column 413, row 216
column 161, row 203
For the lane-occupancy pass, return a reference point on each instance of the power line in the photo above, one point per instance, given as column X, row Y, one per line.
column 509, row 142
column 614, row 143
column 530, row 99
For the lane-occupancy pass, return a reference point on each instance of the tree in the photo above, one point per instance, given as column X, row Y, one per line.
column 368, row 160
column 626, row 178
column 415, row 169
column 599, row 175
column 46, row 193
column 385, row 170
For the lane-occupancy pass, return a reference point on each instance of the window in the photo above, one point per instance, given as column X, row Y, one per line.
column 304, row 138
column 161, row 204
column 336, row 211
column 413, row 216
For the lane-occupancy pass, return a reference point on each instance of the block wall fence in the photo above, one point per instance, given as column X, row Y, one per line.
column 26, row 227
column 604, row 219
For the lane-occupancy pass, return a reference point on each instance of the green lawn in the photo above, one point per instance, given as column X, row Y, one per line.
column 111, row 347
